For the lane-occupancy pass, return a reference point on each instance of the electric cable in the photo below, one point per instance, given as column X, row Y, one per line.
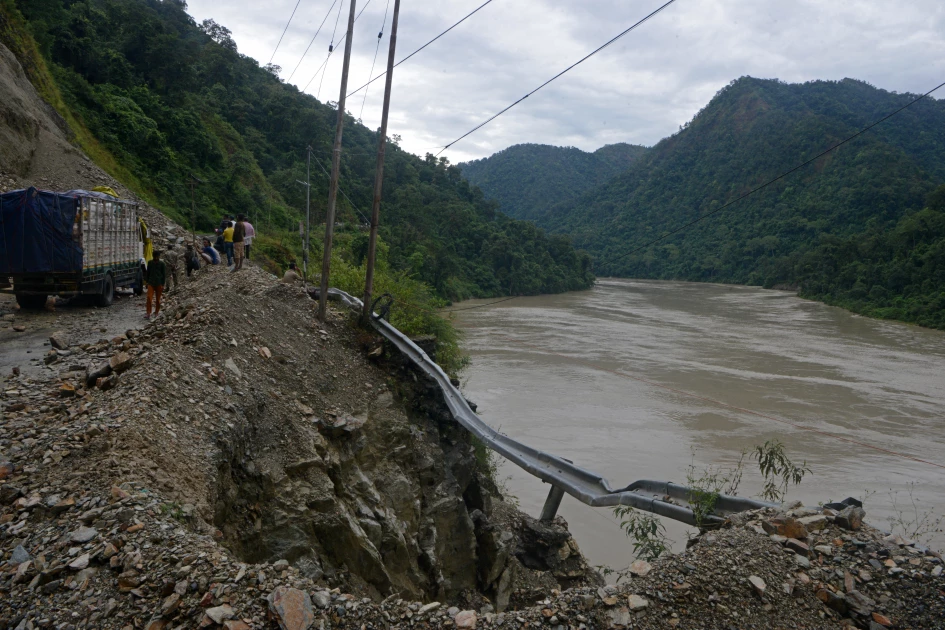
column 312, row 41
column 563, row 72
column 340, row 41
column 377, row 48
column 284, row 30
column 468, row 15
column 331, row 45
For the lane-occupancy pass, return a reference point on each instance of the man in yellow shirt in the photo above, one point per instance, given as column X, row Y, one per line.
column 228, row 244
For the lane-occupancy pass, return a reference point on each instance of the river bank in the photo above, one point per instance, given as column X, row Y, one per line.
column 562, row 373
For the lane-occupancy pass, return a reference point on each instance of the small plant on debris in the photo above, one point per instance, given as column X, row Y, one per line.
column 912, row 520
column 778, row 470
column 707, row 484
column 645, row 530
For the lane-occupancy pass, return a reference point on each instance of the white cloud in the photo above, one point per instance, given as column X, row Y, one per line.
column 638, row 90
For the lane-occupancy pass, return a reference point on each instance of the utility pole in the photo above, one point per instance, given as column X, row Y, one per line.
column 193, row 209
column 379, row 175
column 308, row 197
column 335, row 171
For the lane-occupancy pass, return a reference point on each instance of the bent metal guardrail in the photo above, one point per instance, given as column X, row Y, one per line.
column 659, row 497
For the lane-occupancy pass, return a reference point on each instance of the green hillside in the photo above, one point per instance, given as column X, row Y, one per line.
column 528, row 179
column 168, row 98
column 850, row 229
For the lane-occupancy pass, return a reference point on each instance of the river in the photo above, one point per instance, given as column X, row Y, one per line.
column 563, row 373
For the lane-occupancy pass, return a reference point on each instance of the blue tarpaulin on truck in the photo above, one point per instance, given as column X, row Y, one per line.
column 36, row 233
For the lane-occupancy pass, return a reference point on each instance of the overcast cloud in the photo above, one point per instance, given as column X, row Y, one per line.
column 639, row 90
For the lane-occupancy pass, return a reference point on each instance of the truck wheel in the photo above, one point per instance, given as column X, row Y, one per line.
column 108, row 292
column 139, row 283
column 30, row 302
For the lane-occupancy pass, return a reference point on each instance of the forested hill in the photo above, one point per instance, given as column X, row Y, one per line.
column 166, row 98
column 528, row 179
column 849, row 229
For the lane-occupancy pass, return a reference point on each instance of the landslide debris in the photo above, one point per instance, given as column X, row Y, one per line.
column 181, row 474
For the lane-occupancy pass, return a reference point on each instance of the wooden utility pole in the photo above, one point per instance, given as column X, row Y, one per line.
column 335, row 170
column 308, row 197
column 193, row 209
column 379, row 176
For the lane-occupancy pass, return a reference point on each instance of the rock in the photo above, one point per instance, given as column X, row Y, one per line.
column 231, row 366
column 59, row 341
column 170, row 605
column 83, row 534
column 19, row 328
column 51, row 587
column 19, row 556
column 465, row 620
column 851, row 518
column 635, row 603
column 6, row 469
column 92, row 375
column 640, row 568
column 619, row 617
column 63, row 506
column 67, row 390
column 758, row 585
column 82, row 562
column 322, row 599
column 156, row 624
column 937, row 571
column 788, row 527
column 835, row 601
column 236, row 624
column 265, row 353
column 882, row 620
column 220, row 613
column 429, row 607
column 120, row 362
column 802, row 562
column 825, row 550
column 292, row 608
column 797, row 546
column 859, row 603
column 813, row 523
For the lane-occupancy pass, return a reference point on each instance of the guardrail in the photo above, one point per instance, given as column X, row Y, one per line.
column 659, row 497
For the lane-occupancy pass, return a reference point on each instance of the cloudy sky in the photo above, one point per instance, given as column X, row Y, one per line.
column 639, row 90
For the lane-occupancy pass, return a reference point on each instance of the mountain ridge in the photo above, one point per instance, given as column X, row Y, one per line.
column 526, row 179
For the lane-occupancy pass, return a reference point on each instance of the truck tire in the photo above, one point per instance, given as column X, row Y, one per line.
column 139, row 283
column 30, row 302
column 107, row 295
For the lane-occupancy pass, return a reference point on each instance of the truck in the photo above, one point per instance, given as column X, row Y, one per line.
column 76, row 243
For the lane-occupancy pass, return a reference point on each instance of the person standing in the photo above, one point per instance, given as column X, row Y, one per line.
column 171, row 258
column 248, row 237
column 239, row 235
column 191, row 260
column 157, row 278
column 228, row 244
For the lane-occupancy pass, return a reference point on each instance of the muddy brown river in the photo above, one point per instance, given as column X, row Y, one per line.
column 631, row 379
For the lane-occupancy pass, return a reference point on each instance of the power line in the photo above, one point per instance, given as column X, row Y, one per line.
column 573, row 65
column 779, row 177
column 468, row 15
column 331, row 50
column 319, row 30
column 377, row 48
column 284, row 30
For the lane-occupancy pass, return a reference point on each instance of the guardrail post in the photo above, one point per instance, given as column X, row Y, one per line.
column 551, row 504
